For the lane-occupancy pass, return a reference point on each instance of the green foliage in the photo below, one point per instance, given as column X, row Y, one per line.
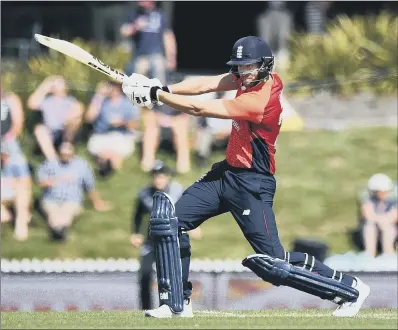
column 81, row 78
column 355, row 55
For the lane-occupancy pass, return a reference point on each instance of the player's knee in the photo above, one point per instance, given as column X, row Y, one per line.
column 263, row 245
column 278, row 252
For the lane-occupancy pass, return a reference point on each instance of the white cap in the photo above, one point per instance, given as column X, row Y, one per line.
column 380, row 182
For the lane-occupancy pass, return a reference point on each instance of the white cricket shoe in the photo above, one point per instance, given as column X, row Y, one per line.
column 350, row 309
column 165, row 311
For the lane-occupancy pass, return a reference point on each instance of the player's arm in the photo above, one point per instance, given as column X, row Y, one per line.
column 204, row 84
column 249, row 106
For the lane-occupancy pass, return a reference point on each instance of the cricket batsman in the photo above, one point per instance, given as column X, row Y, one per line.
column 242, row 184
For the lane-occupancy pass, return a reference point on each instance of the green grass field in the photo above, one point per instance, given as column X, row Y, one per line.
column 270, row 319
column 318, row 174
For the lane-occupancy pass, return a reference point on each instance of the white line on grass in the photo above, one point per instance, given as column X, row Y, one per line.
column 290, row 314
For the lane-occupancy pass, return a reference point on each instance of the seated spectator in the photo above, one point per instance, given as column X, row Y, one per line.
column 61, row 115
column 114, row 121
column 16, row 190
column 12, row 120
column 63, row 182
column 160, row 181
column 156, row 122
column 211, row 133
column 378, row 214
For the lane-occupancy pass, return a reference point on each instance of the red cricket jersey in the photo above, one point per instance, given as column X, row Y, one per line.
column 255, row 126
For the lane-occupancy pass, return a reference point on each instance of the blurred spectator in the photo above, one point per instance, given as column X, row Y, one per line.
column 161, row 181
column 64, row 181
column 16, row 190
column 316, row 16
column 153, row 39
column 211, row 133
column 378, row 214
column 12, row 118
column 275, row 25
column 158, row 121
column 114, row 120
column 61, row 115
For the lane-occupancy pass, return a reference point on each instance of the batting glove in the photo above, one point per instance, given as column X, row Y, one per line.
column 138, row 88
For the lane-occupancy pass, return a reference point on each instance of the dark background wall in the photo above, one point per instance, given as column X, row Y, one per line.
column 205, row 31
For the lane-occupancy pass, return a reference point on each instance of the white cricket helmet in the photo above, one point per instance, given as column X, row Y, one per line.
column 380, row 182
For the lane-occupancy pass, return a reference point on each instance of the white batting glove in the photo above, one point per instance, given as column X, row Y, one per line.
column 137, row 88
column 131, row 84
column 141, row 97
column 136, row 80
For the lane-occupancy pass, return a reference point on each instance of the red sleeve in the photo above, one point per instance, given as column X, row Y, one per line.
column 248, row 106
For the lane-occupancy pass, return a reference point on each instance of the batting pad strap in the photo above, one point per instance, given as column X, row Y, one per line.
column 153, row 93
column 160, row 227
column 166, row 89
column 280, row 272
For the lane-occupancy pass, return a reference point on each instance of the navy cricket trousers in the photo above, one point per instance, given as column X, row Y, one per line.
column 249, row 197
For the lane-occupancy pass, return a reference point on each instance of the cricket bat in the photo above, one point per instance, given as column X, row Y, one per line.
column 79, row 54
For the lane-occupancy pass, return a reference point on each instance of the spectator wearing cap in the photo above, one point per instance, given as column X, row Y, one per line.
column 16, row 190
column 63, row 182
column 378, row 214
column 160, row 181
column 114, row 121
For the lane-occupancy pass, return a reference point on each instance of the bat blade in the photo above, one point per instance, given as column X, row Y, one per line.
column 69, row 49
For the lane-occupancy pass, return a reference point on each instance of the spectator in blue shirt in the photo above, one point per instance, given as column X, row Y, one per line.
column 16, row 190
column 64, row 182
column 155, row 43
column 114, row 121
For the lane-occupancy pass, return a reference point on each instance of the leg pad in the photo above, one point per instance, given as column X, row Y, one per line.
column 163, row 229
column 279, row 272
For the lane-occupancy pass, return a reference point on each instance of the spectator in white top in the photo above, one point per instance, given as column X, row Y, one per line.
column 275, row 25
column 115, row 121
column 379, row 216
column 61, row 114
